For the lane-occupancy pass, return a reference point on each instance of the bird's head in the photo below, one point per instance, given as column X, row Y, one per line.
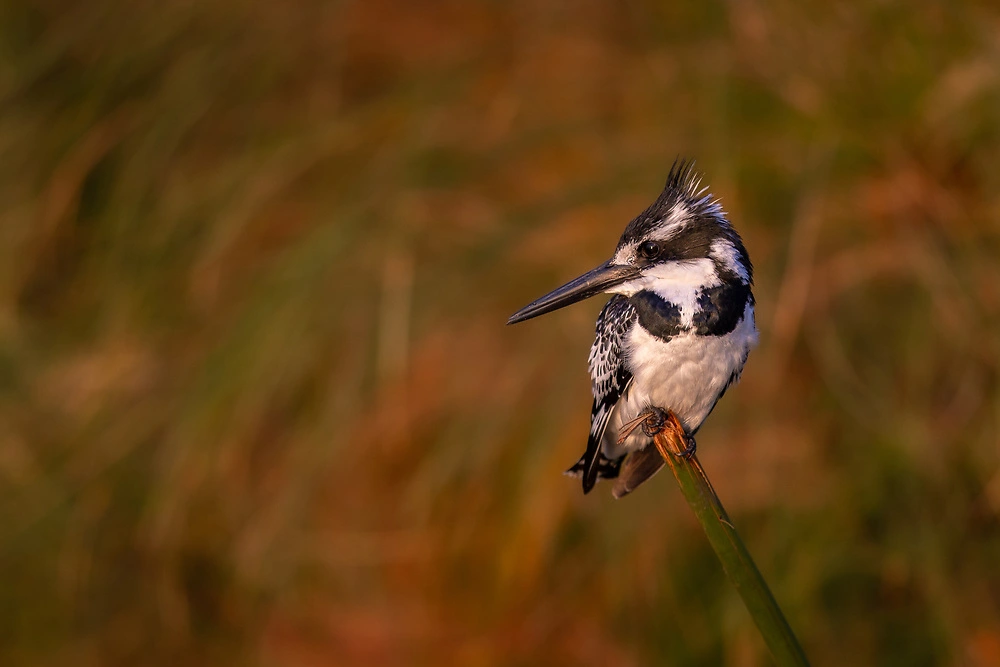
column 682, row 241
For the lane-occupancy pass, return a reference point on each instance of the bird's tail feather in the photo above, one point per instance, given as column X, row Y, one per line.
column 639, row 466
column 603, row 468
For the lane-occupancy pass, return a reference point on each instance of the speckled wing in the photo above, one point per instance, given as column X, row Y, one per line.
column 610, row 380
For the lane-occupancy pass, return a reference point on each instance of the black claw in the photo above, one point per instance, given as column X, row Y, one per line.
column 656, row 418
column 690, row 448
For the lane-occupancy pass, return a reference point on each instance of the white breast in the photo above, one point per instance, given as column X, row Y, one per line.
column 685, row 375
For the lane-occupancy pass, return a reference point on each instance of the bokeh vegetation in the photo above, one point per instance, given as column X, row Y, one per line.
column 258, row 404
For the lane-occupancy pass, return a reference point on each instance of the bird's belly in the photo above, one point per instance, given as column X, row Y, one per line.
column 685, row 374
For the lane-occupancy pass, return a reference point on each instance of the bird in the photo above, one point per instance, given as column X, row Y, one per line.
column 675, row 334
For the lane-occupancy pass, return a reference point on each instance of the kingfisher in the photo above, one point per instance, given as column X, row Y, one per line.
column 674, row 336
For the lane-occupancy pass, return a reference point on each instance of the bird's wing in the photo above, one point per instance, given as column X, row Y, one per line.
column 610, row 379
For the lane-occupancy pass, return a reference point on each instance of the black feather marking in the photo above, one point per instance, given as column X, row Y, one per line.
column 610, row 380
column 720, row 308
column 657, row 315
column 606, row 468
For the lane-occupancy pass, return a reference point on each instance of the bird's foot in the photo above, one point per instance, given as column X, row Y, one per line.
column 652, row 421
column 655, row 421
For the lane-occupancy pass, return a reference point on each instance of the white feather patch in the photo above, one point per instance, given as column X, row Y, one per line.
column 678, row 282
column 672, row 225
column 725, row 252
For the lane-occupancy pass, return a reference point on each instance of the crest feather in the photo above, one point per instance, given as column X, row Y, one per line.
column 683, row 186
column 683, row 180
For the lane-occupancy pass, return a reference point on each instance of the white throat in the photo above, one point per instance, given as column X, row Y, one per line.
column 679, row 282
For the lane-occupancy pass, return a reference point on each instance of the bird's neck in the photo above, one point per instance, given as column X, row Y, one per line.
column 713, row 309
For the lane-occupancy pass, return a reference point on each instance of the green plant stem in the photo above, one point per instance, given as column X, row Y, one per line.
column 728, row 546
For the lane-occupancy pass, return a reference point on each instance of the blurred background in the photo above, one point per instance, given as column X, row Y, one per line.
column 258, row 405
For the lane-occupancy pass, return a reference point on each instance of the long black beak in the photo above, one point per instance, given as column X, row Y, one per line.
column 591, row 283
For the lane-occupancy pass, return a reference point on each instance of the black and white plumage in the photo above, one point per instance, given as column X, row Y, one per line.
column 676, row 333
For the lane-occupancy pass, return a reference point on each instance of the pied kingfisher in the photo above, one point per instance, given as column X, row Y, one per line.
column 676, row 333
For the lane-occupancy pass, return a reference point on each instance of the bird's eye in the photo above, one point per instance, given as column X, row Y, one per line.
column 649, row 249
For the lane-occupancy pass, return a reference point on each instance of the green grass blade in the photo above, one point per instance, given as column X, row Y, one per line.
column 736, row 560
